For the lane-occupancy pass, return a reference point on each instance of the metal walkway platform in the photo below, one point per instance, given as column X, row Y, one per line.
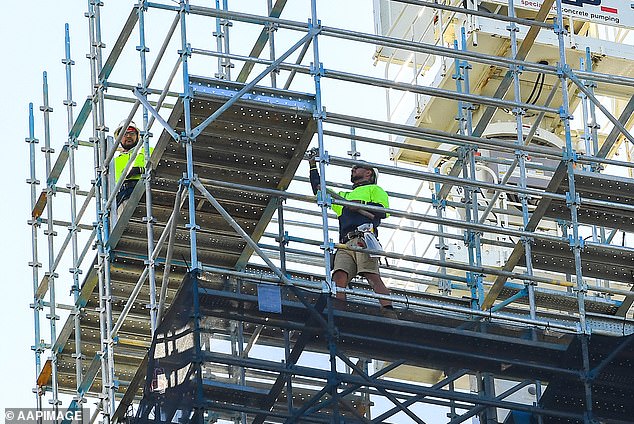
column 418, row 337
column 595, row 186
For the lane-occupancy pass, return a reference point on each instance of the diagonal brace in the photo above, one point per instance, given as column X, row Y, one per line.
column 617, row 123
column 274, row 65
column 383, row 391
column 381, row 418
column 611, row 138
column 155, row 114
column 479, row 408
column 281, row 275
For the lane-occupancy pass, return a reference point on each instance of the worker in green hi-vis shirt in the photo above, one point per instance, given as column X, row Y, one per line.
column 358, row 227
column 129, row 140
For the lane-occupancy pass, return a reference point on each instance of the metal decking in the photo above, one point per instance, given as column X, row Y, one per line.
column 419, row 337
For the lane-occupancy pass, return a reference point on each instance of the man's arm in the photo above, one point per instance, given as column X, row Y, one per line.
column 314, row 175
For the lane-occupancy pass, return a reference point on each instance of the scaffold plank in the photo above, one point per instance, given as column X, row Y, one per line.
column 596, row 186
column 597, row 262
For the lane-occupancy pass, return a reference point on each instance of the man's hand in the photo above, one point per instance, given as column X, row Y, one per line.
column 311, row 155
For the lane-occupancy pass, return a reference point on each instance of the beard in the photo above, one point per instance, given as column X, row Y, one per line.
column 355, row 179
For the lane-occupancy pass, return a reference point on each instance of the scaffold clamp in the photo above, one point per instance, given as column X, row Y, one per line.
column 317, row 69
column 570, row 156
column 581, row 242
column 572, row 200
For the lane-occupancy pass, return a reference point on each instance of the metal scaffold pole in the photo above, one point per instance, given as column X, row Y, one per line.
column 255, row 332
column 188, row 139
column 34, row 222
column 102, row 215
column 106, row 211
column 324, row 199
column 145, row 139
column 572, row 197
column 520, row 157
column 74, row 228
column 50, row 233
column 475, row 242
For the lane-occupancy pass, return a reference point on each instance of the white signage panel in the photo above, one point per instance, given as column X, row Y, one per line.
column 609, row 12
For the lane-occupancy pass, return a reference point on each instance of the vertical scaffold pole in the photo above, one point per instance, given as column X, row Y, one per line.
column 34, row 222
column 271, row 30
column 226, row 23
column 324, row 202
column 593, row 127
column 186, row 137
column 50, row 233
column 316, row 70
column 102, row 129
column 520, row 156
column 282, row 234
column 444, row 285
column 149, row 218
column 474, row 241
column 102, row 215
column 219, row 45
column 222, row 42
column 572, row 198
column 463, row 152
column 185, row 53
column 72, row 186
column 465, row 119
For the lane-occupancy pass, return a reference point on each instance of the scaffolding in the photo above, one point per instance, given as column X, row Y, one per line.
column 209, row 297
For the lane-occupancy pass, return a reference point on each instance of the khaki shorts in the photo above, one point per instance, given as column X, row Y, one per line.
column 354, row 263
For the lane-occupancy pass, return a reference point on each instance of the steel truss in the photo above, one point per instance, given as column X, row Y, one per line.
column 221, row 170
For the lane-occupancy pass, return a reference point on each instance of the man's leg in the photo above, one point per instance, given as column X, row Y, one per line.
column 344, row 268
column 379, row 287
column 340, row 278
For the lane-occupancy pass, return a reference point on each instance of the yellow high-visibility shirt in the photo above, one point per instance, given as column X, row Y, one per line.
column 122, row 160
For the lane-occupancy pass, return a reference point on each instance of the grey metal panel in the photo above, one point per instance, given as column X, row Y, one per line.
column 595, row 186
column 597, row 262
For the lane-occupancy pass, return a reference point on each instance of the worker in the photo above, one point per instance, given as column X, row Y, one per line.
column 348, row 263
column 129, row 140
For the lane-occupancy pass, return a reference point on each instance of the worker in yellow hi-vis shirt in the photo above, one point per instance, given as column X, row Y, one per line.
column 129, row 140
column 357, row 229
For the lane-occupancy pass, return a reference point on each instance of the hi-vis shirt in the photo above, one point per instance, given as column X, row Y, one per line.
column 137, row 169
column 350, row 219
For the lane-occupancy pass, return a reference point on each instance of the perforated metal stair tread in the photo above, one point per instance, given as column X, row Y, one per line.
column 597, row 262
column 609, row 188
